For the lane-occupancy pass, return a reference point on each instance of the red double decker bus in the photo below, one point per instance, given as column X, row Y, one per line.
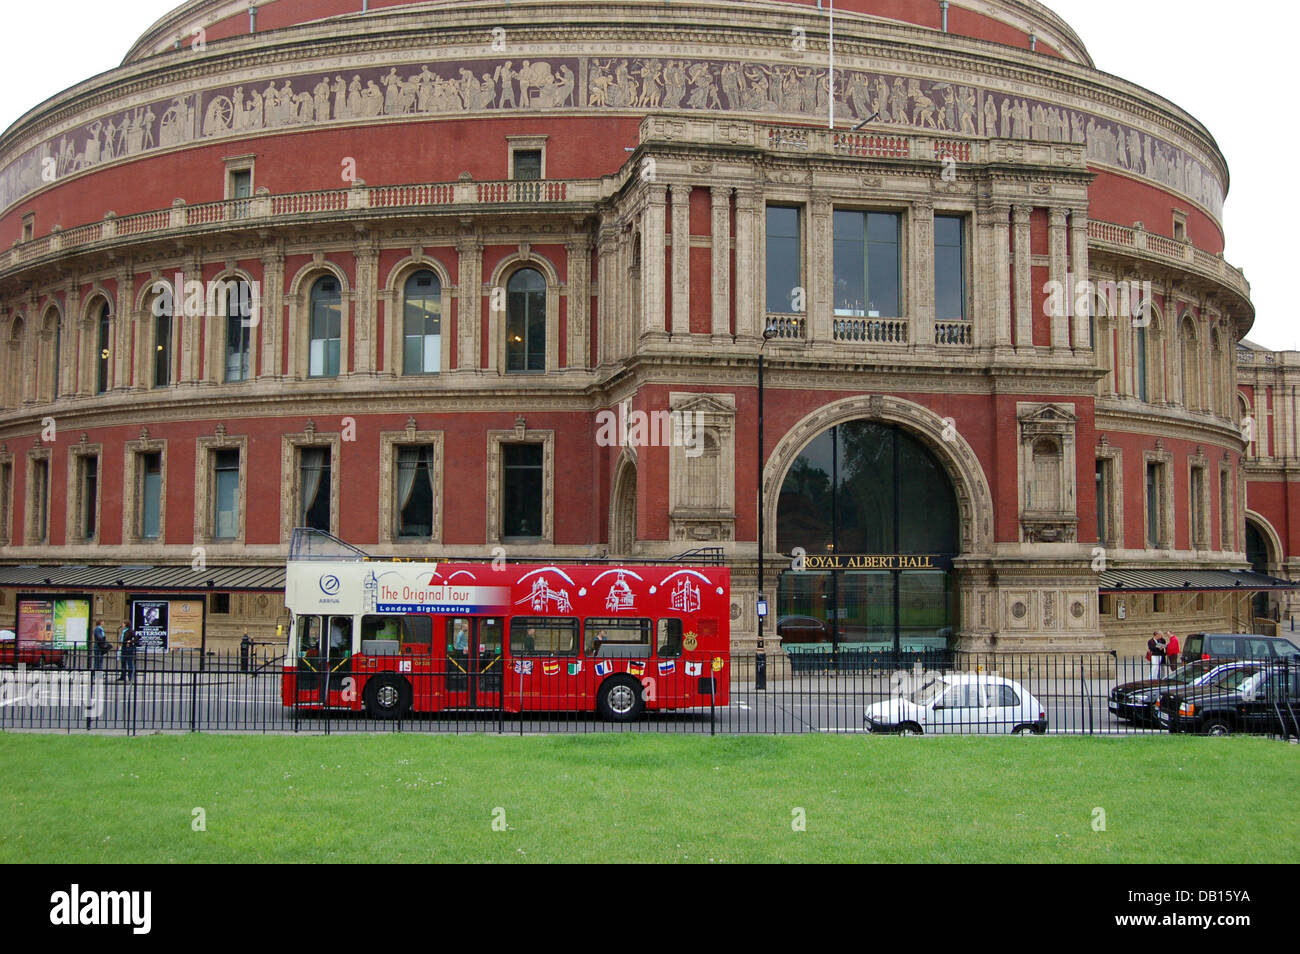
column 395, row 638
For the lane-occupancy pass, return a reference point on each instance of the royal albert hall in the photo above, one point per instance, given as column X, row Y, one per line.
column 815, row 285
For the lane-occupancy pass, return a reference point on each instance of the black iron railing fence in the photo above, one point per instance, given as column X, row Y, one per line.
column 964, row 694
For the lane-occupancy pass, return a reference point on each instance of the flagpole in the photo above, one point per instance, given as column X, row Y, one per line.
column 830, row 86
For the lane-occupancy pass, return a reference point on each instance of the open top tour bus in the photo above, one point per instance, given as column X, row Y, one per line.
column 395, row 638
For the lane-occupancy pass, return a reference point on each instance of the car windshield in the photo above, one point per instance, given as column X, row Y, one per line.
column 1233, row 678
column 1192, row 671
column 928, row 692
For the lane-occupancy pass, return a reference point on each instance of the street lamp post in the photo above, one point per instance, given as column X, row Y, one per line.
column 760, row 656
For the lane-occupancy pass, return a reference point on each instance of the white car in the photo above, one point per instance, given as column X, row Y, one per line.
column 963, row 703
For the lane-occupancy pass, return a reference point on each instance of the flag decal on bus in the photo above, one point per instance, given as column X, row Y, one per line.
column 524, row 667
column 575, row 668
column 551, row 668
column 667, row 668
column 694, row 668
column 604, row 668
column 636, row 669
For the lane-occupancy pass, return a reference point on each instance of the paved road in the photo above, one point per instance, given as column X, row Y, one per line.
column 235, row 702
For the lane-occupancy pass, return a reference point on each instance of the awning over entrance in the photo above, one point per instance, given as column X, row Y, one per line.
column 1180, row 581
column 182, row 578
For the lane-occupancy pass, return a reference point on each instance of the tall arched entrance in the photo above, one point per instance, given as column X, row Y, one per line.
column 875, row 516
column 1257, row 553
column 622, row 517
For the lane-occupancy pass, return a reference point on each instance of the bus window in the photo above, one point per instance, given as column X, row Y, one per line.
column 618, row 638
column 340, row 637
column 417, row 635
column 669, row 641
column 308, row 635
column 379, row 635
column 539, row 636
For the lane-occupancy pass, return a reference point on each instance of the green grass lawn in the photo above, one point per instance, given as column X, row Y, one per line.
column 645, row 797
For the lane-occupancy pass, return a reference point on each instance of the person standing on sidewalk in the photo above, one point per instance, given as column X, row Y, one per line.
column 128, row 655
column 1172, row 649
column 1156, row 653
column 99, row 644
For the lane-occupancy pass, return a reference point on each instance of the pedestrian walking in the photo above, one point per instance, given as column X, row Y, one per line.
column 100, row 645
column 245, row 653
column 129, row 642
column 1156, row 653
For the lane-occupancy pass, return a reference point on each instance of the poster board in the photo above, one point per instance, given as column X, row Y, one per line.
column 59, row 622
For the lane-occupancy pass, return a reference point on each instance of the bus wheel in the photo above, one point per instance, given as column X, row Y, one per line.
column 619, row 699
column 387, row 697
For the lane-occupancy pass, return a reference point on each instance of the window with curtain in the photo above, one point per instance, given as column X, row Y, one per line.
column 866, row 264
column 415, row 492
column 225, row 494
column 239, row 332
column 326, row 325
column 314, row 500
column 526, row 321
column 1155, row 501
column 422, row 317
column 104, row 338
column 89, row 479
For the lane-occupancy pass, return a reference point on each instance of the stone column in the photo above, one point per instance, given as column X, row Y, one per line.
column 653, row 238
column 365, row 295
column 721, row 325
column 1023, row 279
column 270, row 316
column 607, row 318
column 124, row 308
column 922, row 275
column 469, row 303
column 1000, row 281
column 1081, row 269
column 1058, row 272
column 681, row 297
column 820, row 274
column 188, row 326
column 748, row 265
column 577, row 345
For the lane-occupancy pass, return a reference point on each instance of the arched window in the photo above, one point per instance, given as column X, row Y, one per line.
column 1045, row 490
column 422, row 324
column 526, row 321
column 239, row 331
column 1191, row 367
column 162, row 342
column 325, row 327
column 1140, row 363
column 104, row 338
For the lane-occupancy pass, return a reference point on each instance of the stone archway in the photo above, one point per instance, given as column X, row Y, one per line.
column 622, row 507
column 974, row 498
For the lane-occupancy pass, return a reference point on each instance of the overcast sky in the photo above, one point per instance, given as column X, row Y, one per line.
column 1228, row 64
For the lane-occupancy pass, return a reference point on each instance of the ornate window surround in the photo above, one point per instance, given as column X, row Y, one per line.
column 291, row 476
column 1165, row 519
column 1056, row 423
column 133, row 489
column 204, row 517
column 389, row 442
column 36, row 455
column 393, row 297
column 1114, row 518
column 495, row 478
column 74, row 531
column 716, row 414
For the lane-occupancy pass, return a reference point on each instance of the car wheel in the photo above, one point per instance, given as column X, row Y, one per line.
column 1023, row 730
column 387, row 697
column 620, row 700
column 1218, row 727
column 910, row 728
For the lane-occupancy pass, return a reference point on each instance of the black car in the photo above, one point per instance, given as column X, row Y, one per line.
column 1224, row 646
column 1264, row 700
column 1136, row 701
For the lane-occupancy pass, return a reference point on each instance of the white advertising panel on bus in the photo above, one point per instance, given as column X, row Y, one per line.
column 352, row 588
